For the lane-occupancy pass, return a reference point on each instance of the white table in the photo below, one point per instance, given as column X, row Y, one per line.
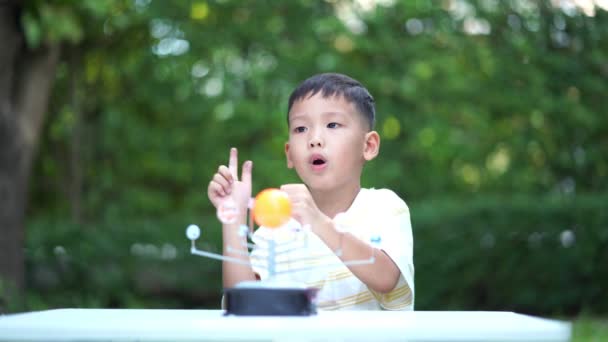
column 204, row 325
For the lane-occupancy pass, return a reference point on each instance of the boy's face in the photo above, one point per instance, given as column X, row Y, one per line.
column 328, row 142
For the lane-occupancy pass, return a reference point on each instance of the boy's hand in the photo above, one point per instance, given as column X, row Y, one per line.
column 225, row 185
column 303, row 207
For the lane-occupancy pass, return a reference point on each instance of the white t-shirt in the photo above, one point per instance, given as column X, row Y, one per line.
column 379, row 217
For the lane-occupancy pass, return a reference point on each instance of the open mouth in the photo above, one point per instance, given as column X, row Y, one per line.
column 318, row 162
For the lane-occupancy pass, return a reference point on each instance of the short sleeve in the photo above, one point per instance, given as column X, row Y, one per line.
column 397, row 242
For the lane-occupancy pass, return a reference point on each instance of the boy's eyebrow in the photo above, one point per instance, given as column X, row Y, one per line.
column 304, row 114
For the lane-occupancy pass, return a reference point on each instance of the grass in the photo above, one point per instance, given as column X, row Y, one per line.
column 590, row 329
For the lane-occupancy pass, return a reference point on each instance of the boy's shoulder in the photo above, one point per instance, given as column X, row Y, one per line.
column 384, row 199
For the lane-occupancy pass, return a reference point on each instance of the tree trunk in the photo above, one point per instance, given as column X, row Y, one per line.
column 25, row 82
column 76, row 141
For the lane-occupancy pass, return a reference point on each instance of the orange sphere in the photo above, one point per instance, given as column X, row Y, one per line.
column 271, row 208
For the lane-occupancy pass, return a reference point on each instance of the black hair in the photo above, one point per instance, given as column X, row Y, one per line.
column 333, row 84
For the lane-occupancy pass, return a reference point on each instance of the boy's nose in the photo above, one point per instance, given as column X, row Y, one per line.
column 315, row 141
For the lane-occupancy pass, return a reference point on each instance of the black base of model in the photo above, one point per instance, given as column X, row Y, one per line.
column 270, row 301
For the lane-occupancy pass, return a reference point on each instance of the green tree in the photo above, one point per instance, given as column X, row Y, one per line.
column 37, row 38
column 26, row 78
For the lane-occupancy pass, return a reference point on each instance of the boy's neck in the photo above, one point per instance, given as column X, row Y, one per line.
column 334, row 202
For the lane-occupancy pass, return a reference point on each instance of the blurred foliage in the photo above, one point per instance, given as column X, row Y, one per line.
column 141, row 264
column 588, row 329
column 534, row 255
column 476, row 101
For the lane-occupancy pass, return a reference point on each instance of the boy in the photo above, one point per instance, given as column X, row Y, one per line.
column 331, row 120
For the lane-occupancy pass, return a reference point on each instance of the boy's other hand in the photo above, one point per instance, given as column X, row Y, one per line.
column 225, row 185
column 303, row 207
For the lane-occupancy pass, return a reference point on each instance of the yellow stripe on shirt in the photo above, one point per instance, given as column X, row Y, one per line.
column 407, row 301
column 398, row 292
column 397, row 307
column 359, row 298
column 352, row 296
column 332, row 276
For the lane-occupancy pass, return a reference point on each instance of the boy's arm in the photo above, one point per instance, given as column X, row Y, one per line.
column 225, row 189
column 381, row 276
column 232, row 272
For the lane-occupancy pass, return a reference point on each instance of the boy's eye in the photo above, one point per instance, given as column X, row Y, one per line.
column 333, row 125
column 300, row 129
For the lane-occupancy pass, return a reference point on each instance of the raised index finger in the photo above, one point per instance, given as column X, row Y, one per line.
column 233, row 163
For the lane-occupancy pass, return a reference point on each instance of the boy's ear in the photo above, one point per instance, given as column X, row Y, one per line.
column 289, row 162
column 372, row 145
